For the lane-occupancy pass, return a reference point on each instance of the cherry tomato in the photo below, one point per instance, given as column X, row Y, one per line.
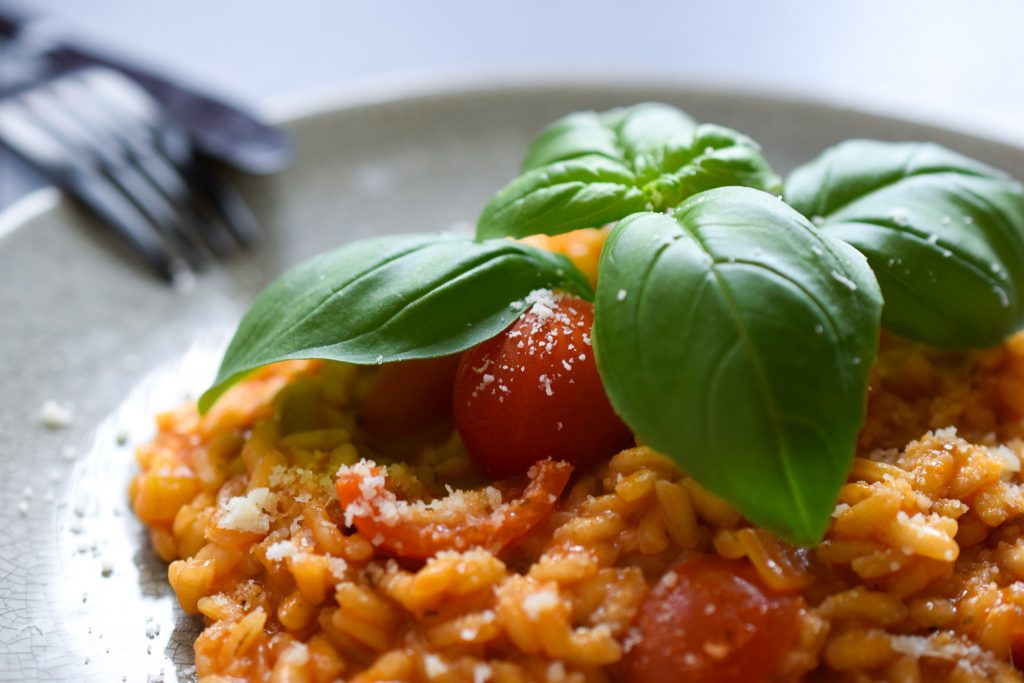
column 711, row 619
column 470, row 519
column 409, row 397
column 533, row 392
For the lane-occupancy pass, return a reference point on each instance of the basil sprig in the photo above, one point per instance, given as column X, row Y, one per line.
column 731, row 333
column 392, row 298
column 735, row 338
column 943, row 233
column 627, row 132
column 590, row 169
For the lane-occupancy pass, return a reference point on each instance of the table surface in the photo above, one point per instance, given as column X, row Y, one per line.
column 949, row 61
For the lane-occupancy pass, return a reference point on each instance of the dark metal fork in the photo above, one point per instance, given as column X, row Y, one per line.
column 103, row 138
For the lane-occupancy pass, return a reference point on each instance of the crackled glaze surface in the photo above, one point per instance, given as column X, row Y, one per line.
column 82, row 596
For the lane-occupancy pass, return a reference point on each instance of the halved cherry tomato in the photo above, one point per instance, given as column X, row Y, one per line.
column 711, row 619
column 460, row 521
column 533, row 392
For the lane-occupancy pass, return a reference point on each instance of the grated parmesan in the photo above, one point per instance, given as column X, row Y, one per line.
column 537, row 603
column 56, row 415
column 482, row 673
column 900, row 216
column 281, row 550
column 296, row 655
column 248, row 513
column 556, row 672
column 434, row 666
column 1006, row 456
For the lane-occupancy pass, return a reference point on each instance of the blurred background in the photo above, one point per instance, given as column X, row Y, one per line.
column 951, row 62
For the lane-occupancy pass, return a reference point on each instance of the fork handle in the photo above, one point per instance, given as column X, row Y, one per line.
column 219, row 129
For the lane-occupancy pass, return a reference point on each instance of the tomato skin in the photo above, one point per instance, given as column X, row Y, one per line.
column 534, row 392
column 711, row 619
column 409, row 397
column 528, row 500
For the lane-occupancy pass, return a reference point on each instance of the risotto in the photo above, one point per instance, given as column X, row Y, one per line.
column 920, row 576
column 415, row 465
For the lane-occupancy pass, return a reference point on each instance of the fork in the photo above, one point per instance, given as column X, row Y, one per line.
column 101, row 137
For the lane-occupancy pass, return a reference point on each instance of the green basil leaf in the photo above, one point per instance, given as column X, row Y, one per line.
column 590, row 169
column 735, row 338
column 646, row 128
column 617, row 134
column 944, row 234
column 577, row 193
column 711, row 156
column 392, row 298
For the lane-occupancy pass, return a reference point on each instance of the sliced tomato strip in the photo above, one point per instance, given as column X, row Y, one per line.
column 459, row 521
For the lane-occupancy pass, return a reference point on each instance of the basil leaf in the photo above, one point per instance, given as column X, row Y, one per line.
column 944, row 234
column 617, row 134
column 712, row 156
column 572, row 194
column 392, row 298
column 590, row 169
column 737, row 339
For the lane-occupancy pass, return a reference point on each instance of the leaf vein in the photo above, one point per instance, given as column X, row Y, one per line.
column 761, row 379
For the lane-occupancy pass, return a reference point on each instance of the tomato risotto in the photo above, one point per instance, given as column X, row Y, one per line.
column 714, row 441
column 918, row 579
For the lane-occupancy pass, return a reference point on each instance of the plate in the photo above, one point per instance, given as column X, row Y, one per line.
column 82, row 595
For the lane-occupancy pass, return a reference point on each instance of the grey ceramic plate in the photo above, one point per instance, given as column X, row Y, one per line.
column 82, row 596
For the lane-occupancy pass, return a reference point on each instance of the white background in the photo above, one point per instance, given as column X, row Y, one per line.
column 955, row 62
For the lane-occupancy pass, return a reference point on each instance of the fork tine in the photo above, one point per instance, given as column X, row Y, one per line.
column 124, row 129
column 69, row 169
column 235, row 212
column 101, row 136
column 54, row 116
column 173, row 141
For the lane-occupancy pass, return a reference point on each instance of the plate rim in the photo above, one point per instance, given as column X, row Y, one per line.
column 391, row 88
